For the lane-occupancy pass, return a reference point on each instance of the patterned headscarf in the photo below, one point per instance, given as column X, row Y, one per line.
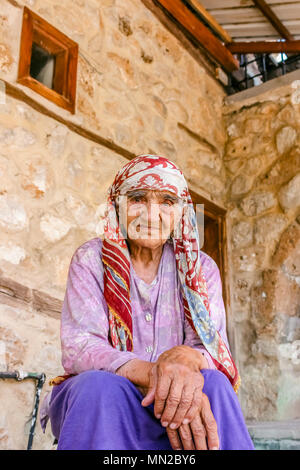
column 153, row 172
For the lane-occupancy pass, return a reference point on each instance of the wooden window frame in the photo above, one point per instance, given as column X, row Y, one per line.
column 36, row 29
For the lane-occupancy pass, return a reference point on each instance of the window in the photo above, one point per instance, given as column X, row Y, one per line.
column 48, row 61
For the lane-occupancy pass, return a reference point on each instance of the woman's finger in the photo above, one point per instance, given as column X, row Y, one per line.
column 174, row 439
column 195, row 403
column 199, row 432
column 149, row 397
column 161, row 394
column 189, row 403
column 210, row 424
column 186, row 437
column 173, row 401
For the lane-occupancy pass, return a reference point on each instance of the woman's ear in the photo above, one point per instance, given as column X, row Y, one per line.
column 171, row 235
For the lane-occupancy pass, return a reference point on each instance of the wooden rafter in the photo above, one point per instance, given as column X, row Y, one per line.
column 201, row 33
column 273, row 18
column 210, row 20
column 261, row 47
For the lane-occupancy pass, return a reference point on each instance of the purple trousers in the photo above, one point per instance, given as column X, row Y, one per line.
column 98, row 410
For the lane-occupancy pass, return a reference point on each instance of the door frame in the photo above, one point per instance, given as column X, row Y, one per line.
column 218, row 214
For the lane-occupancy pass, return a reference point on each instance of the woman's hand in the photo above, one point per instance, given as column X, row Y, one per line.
column 175, row 385
column 200, row 434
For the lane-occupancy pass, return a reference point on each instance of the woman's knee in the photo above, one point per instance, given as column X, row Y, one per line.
column 216, row 381
column 93, row 377
column 100, row 382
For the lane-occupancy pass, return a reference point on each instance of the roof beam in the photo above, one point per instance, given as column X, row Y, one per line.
column 261, row 47
column 210, row 20
column 273, row 18
column 212, row 45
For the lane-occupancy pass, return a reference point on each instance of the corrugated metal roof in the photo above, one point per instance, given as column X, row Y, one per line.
column 245, row 22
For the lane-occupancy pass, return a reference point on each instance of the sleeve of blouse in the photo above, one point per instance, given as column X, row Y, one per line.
column 84, row 319
column 218, row 313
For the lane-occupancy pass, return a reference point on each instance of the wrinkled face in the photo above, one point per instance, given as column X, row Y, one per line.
column 149, row 216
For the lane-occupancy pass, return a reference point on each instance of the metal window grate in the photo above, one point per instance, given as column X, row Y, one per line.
column 256, row 69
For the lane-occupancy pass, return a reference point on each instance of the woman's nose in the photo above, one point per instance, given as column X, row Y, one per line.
column 153, row 210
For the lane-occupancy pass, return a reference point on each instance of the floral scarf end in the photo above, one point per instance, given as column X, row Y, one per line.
column 59, row 379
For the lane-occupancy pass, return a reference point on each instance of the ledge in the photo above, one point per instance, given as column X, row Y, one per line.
column 256, row 91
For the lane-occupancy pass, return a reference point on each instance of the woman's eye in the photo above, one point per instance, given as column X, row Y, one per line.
column 168, row 202
column 136, row 198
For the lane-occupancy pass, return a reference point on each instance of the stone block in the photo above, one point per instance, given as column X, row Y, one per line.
column 124, row 25
column 285, row 139
column 241, row 185
column 6, row 58
column 283, row 169
column 123, row 134
column 56, row 140
column 259, row 390
column 239, row 147
column 124, row 65
column 287, row 253
column 288, row 400
column 289, row 195
column 259, row 202
column 265, row 347
column 15, row 348
column 290, row 329
column 37, row 177
column 5, row 437
column 12, row 213
column 242, row 286
column 286, row 115
column 249, row 259
column 234, row 165
column 170, row 46
column 17, row 137
column 291, row 351
column 175, row 108
column 276, row 295
column 53, row 227
column 242, row 234
column 12, row 253
column 269, row 227
column 87, row 77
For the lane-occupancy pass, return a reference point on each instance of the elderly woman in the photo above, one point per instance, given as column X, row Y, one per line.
column 143, row 330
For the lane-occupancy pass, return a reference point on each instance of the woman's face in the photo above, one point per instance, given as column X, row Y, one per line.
column 149, row 216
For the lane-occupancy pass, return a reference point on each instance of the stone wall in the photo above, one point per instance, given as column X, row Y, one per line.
column 53, row 182
column 138, row 91
column 262, row 159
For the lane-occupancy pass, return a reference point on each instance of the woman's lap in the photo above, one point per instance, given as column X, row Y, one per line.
column 101, row 410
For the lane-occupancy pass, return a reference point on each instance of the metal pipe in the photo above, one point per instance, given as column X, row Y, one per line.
column 40, row 378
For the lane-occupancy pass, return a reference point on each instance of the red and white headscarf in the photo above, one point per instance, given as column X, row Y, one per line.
column 154, row 172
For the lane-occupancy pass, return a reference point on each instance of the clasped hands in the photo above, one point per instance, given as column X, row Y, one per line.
column 175, row 386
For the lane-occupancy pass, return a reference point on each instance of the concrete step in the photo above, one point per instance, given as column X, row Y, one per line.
column 275, row 435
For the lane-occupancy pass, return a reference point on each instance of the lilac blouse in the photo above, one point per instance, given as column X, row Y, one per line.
column 157, row 312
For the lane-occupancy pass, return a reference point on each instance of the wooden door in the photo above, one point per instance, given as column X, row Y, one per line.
column 214, row 242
